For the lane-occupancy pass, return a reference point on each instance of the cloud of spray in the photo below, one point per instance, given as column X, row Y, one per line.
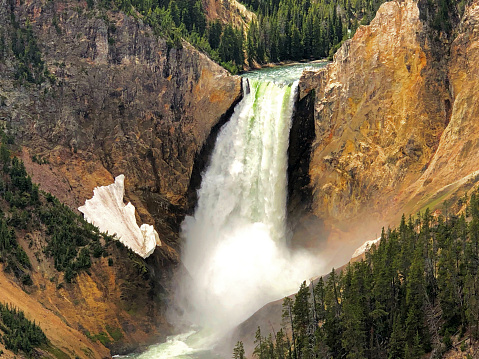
column 246, row 270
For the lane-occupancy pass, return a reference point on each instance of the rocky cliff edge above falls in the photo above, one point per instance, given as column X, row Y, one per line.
column 394, row 120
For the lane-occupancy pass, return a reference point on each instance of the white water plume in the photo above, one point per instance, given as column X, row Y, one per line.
column 235, row 244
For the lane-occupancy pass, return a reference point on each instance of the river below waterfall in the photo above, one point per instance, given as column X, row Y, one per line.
column 236, row 242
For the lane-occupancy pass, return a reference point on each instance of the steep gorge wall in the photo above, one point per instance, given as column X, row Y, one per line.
column 123, row 102
column 394, row 131
column 383, row 111
column 455, row 163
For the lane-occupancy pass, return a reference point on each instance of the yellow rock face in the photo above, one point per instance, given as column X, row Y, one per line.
column 228, row 12
column 394, row 120
column 38, row 309
column 455, row 163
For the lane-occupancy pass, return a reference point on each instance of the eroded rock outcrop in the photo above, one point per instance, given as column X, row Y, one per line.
column 381, row 110
column 228, row 12
column 454, row 166
column 124, row 102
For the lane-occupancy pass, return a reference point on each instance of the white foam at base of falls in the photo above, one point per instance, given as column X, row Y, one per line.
column 107, row 211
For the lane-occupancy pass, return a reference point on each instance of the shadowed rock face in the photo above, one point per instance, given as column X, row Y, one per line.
column 124, row 103
column 387, row 114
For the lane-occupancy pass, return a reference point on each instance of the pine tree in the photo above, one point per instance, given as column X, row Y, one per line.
column 281, row 345
column 260, row 350
column 174, row 12
column 287, row 316
column 214, row 34
column 415, row 295
column 332, row 324
column 397, row 340
column 296, row 48
column 238, row 351
column 301, row 319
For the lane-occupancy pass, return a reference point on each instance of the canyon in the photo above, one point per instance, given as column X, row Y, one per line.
column 388, row 127
column 391, row 117
column 122, row 102
column 387, row 116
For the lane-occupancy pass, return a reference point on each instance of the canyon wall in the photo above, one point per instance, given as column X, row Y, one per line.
column 116, row 99
column 455, row 163
column 393, row 119
column 124, row 101
column 395, row 131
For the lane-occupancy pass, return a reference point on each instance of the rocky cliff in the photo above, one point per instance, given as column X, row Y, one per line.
column 123, row 102
column 98, row 94
column 454, row 165
column 228, row 12
column 392, row 116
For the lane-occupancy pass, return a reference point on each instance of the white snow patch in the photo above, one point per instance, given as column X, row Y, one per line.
column 365, row 247
column 107, row 211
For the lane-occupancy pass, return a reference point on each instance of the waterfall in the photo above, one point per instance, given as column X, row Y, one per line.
column 235, row 243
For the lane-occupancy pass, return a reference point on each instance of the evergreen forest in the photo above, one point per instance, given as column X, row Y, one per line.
column 19, row 333
column 68, row 240
column 417, row 292
column 282, row 30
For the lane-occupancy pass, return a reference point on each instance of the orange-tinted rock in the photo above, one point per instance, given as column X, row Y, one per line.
column 228, row 12
column 455, row 166
column 381, row 107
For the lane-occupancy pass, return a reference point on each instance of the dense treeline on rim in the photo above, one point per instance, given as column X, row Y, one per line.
column 416, row 292
column 305, row 29
column 282, row 30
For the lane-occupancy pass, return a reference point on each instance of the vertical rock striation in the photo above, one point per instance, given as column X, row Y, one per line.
column 120, row 100
column 455, row 163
